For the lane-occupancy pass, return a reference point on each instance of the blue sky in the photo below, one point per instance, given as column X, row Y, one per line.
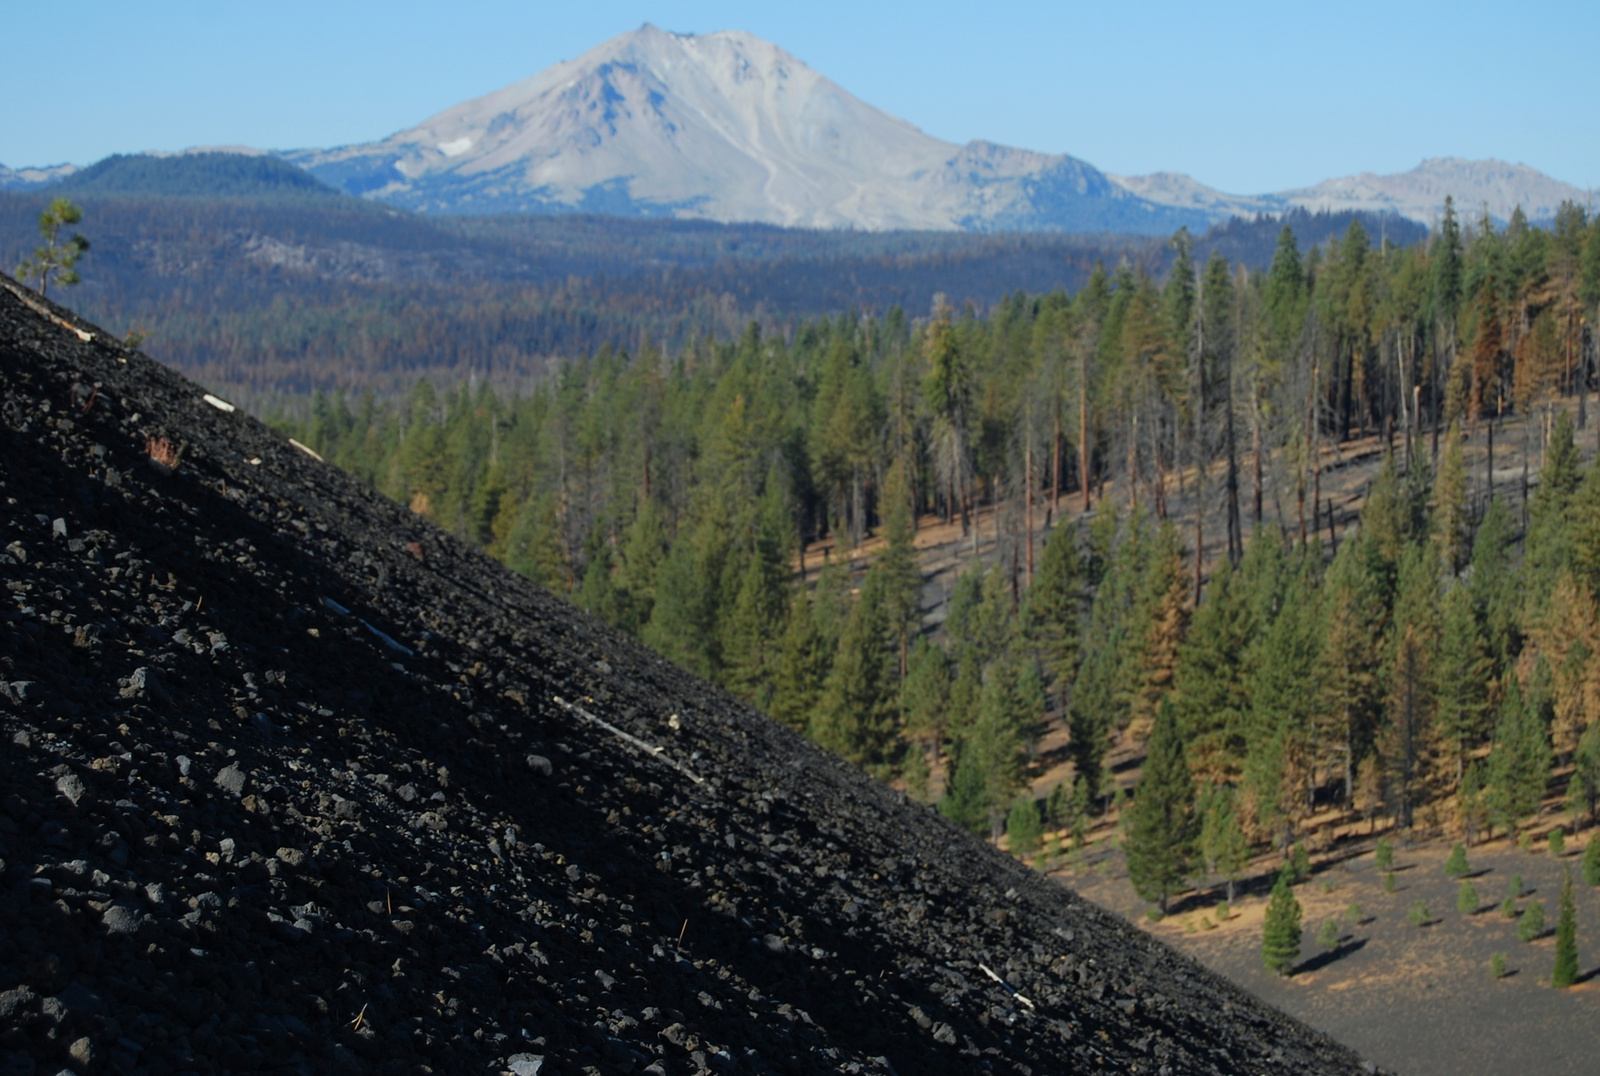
column 1247, row 97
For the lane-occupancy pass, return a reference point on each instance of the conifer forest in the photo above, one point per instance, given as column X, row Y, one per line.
column 1148, row 464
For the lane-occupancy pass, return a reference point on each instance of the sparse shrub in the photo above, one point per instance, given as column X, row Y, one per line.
column 1525, row 842
column 1383, row 856
column 1514, row 886
column 1591, row 860
column 1558, row 842
column 1456, row 866
column 1508, row 907
column 1206, row 923
column 1388, row 882
column 1155, row 915
column 1224, row 912
column 1531, row 924
column 1300, row 863
column 1418, row 914
column 1467, row 898
column 1497, row 966
column 1328, row 935
column 1353, row 913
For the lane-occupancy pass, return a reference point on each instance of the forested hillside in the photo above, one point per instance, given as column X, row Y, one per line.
column 249, row 276
column 1430, row 660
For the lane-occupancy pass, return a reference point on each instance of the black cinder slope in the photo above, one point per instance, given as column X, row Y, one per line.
column 288, row 784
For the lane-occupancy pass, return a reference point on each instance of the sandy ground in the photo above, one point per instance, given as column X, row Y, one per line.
column 1416, row 999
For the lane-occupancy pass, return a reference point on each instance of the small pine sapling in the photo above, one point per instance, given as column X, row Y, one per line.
column 1353, row 914
column 1328, row 935
column 1591, row 860
column 1514, row 886
column 1508, row 907
column 1418, row 915
column 1300, row 863
column 1525, row 842
column 1456, row 866
column 1558, row 842
column 1497, row 966
column 1383, row 855
column 1531, row 925
column 1280, row 933
column 1565, row 972
column 1023, row 828
column 1388, row 882
column 1467, row 899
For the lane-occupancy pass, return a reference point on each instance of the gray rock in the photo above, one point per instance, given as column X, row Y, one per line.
column 943, row 1032
column 121, row 919
column 83, row 1054
column 525, row 1064
column 231, row 779
column 71, row 786
column 15, row 1002
column 540, row 765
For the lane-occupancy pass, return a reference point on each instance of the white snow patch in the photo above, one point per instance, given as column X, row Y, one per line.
column 455, row 147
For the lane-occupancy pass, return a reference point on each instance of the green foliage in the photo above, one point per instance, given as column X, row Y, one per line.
column 1023, row 828
column 1467, row 898
column 1280, row 931
column 55, row 260
column 1419, row 914
column 1456, row 866
column 1514, row 887
column 1383, row 855
column 1162, row 830
column 1353, row 913
column 1519, row 763
column 1222, row 839
column 1497, row 966
column 1558, row 842
column 1055, row 606
column 855, row 715
column 1565, row 972
column 1388, row 882
column 1591, row 861
column 1531, row 923
column 1328, row 933
column 1508, row 908
column 1299, row 864
column 1057, row 807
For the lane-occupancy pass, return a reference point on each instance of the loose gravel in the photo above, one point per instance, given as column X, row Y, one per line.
column 293, row 781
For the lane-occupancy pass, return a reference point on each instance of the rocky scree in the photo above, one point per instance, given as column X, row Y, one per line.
column 285, row 785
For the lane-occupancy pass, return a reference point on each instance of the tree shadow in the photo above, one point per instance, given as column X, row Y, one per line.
column 1337, row 953
column 1586, row 976
column 1479, row 873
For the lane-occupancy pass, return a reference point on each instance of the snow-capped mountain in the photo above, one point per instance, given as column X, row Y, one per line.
column 721, row 126
column 26, row 179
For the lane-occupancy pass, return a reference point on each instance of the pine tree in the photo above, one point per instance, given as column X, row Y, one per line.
column 1451, row 527
column 1456, row 865
column 1079, row 806
column 1222, row 839
column 1565, row 972
column 1055, row 606
column 56, row 259
column 1023, row 828
column 902, row 579
column 1212, row 682
column 1284, row 697
column 1280, row 932
column 1591, row 861
column 966, row 800
column 1160, row 617
column 1519, row 762
column 1494, row 587
column 1160, row 844
column 1408, row 743
column 855, row 717
column 803, row 663
column 925, row 696
column 1462, row 678
column 1352, row 700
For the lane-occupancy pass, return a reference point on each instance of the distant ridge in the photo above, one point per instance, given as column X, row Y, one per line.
column 195, row 175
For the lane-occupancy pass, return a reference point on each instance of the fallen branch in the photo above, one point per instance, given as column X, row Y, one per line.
column 657, row 753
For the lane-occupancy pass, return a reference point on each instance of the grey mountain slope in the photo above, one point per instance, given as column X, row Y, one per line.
column 722, row 127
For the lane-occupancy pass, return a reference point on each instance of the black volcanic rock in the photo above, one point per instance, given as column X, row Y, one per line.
column 292, row 781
